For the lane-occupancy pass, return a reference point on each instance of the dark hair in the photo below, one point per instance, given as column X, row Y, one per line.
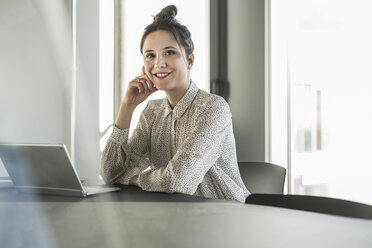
column 165, row 20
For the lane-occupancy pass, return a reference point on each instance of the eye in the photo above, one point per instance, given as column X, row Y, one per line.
column 170, row 52
column 149, row 55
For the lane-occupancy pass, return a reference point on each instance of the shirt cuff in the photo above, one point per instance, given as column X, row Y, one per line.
column 142, row 182
column 120, row 136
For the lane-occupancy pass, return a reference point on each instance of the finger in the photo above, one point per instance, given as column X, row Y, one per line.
column 153, row 87
column 137, row 84
column 144, row 78
column 144, row 73
column 144, row 83
column 140, row 80
column 150, row 83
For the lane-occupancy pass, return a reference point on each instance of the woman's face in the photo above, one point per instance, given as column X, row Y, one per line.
column 165, row 62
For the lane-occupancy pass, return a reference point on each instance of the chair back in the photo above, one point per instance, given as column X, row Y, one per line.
column 318, row 204
column 262, row 177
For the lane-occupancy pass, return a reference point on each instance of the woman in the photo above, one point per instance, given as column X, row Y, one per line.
column 186, row 139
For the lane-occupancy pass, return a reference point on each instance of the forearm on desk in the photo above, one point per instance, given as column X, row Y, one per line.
column 114, row 157
column 121, row 160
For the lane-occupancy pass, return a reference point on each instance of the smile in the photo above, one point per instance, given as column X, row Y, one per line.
column 162, row 75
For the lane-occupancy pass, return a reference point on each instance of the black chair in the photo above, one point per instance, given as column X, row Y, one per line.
column 317, row 204
column 261, row 177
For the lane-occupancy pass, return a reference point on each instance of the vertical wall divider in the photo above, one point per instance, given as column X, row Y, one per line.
column 218, row 50
column 73, row 87
column 118, row 54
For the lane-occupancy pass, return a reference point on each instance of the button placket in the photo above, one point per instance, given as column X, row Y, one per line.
column 173, row 135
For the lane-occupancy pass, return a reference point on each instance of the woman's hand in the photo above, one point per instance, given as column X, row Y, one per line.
column 138, row 90
column 134, row 180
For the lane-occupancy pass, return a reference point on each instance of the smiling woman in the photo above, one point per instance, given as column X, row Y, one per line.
column 166, row 64
column 186, row 138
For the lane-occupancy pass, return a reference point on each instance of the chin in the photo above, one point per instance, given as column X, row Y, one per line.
column 160, row 86
column 164, row 86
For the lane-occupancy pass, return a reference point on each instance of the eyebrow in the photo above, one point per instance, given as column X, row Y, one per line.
column 165, row 48
column 169, row 47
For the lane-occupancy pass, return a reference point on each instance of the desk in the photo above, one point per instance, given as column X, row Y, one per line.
column 133, row 218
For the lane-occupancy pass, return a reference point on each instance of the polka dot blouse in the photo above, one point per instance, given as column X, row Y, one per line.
column 190, row 149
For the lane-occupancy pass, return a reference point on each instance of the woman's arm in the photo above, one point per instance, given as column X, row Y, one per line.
column 123, row 158
column 116, row 166
column 138, row 90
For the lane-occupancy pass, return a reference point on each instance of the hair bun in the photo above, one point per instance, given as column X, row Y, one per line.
column 168, row 12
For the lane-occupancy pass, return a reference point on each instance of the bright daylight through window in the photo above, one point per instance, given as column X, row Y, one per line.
column 321, row 105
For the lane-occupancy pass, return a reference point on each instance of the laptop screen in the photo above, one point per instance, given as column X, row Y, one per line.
column 40, row 167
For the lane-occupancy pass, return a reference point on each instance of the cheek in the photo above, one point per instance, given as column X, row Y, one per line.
column 147, row 68
column 182, row 66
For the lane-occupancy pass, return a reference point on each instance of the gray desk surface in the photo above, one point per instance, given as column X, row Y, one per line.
column 133, row 218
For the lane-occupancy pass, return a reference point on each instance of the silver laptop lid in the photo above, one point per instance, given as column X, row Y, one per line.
column 41, row 168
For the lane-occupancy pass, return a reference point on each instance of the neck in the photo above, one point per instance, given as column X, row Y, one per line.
column 175, row 95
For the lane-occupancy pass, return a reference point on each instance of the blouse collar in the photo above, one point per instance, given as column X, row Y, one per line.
column 184, row 103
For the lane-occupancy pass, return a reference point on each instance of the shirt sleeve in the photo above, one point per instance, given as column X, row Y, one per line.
column 114, row 169
column 195, row 156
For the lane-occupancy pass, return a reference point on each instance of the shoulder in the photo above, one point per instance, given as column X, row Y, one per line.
column 210, row 102
column 152, row 110
column 212, row 111
column 154, row 105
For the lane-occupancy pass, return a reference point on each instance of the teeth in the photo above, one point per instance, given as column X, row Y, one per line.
column 162, row 74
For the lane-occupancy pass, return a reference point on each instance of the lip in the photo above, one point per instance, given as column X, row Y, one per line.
column 161, row 75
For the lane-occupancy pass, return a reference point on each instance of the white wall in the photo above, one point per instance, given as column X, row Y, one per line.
column 36, row 77
column 35, row 71
column 246, row 74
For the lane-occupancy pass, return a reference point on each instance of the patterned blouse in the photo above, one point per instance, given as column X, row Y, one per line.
column 190, row 149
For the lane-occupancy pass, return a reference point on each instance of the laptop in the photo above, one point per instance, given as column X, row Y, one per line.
column 45, row 168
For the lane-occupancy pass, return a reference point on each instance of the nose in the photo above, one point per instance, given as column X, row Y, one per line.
column 160, row 62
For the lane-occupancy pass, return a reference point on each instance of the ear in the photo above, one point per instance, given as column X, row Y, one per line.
column 190, row 61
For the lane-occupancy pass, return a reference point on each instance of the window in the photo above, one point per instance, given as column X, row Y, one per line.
column 320, row 88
